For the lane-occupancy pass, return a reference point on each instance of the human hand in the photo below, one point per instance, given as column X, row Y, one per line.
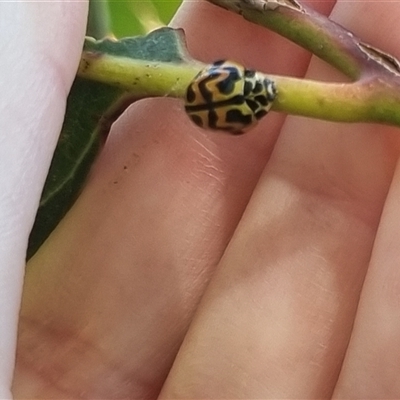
column 177, row 238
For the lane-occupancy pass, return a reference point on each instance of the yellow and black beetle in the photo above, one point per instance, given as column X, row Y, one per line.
column 229, row 97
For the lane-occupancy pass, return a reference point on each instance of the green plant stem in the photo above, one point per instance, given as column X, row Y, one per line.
column 363, row 101
column 144, row 78
column 368, row 100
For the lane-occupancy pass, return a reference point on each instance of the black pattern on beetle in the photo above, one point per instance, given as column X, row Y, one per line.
column 228, row 97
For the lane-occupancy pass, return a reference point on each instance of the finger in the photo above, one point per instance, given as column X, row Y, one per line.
column 140, row 245
column 275, row 320
column 370, row 369
column 35, row 77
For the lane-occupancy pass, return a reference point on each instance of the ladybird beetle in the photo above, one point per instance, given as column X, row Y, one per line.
column 229, row 97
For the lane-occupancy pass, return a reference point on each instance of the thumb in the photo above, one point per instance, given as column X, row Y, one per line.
column 40, row 48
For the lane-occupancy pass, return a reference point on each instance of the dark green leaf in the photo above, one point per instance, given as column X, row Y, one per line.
column 91, row 109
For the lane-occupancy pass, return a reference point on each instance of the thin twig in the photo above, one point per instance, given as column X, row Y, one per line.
column 318, row 34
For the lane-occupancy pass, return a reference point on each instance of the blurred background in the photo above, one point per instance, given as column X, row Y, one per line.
column 136, row 17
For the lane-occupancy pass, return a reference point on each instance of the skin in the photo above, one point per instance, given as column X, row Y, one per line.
column 35, row 79
column 200, row 265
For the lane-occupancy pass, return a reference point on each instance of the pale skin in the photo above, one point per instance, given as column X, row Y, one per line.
column 200, row 265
